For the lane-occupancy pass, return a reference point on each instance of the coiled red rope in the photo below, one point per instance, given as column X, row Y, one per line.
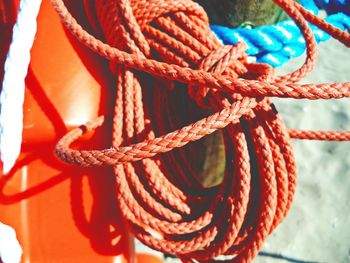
column 159, row 50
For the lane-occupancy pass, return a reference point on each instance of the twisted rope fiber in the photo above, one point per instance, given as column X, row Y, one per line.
column 13, row 86
column 168, row 51
column 277, row 44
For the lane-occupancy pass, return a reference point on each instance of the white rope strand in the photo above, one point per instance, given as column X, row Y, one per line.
column 10, row 249
column 13, row 86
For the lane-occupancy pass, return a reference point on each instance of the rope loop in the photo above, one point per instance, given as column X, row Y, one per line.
column 224, row 60
column 154, row 46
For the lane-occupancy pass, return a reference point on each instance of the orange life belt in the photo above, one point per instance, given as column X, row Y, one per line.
column 61, row 213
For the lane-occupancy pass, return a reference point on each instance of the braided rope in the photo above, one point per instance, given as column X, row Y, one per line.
column 158, row 194
column 277, row 44
column 13, row 86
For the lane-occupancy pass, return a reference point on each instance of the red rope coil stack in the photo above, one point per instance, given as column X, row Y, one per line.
column 159, row 49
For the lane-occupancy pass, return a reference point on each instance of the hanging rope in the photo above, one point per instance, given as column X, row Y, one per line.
column 13, row 86
column 168, row 57
column 277, row 44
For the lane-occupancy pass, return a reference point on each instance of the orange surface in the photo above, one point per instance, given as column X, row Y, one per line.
column 60, row 213
column 142, row 257
column 179, row 215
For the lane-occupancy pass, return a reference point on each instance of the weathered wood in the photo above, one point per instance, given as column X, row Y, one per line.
column 236, row 12
column 213, row 157
column 207, row 156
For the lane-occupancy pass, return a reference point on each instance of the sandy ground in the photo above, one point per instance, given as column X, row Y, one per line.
column 317, row 229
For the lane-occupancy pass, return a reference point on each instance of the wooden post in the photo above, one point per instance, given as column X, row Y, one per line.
column 234, row 13
column 207, row 156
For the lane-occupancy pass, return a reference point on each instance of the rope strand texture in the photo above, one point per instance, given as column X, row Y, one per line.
column 155, row 46
column 13, row 86
column 277, row 44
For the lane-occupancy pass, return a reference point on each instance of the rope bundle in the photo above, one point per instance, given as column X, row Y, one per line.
column 158, row 50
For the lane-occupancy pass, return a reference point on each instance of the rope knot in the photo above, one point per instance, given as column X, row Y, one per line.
column 161, row 199
column 224, row 60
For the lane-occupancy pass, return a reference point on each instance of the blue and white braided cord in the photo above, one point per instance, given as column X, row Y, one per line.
column 277, row 44
column 274, row 44
column 13, row 86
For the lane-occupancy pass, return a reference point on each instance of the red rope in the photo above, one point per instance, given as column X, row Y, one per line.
column 156, row 45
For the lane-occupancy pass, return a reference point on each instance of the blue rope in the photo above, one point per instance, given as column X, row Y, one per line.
column 334, row 6
column 277, row 44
